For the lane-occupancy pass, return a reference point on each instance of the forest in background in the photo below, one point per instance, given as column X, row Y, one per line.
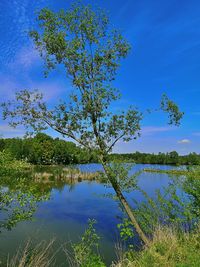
column 45, row 150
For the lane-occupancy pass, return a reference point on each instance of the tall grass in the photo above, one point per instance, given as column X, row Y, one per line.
column 41, row 255
column 168, row 248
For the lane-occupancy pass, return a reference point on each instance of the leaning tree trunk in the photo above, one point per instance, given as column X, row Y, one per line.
column 127, row 208
column 131, row 214
column 116, row 187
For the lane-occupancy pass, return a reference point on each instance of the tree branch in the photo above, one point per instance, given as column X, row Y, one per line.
column 116, row 140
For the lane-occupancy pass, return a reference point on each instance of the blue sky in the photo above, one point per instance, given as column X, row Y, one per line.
column 165, row 57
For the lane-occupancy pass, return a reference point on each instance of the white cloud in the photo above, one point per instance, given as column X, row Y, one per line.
column 184, row 141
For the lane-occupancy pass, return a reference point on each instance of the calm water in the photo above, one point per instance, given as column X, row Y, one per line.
column 65, row 215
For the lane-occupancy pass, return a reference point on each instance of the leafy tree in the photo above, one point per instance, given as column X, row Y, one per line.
column 15, row 147
column 82, row 40
column 193, row 159
column 41, row 151
column 173, row 157
column 64, row 152
column 2, row 144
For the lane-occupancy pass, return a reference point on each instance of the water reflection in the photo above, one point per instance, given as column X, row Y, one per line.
column 70, row 203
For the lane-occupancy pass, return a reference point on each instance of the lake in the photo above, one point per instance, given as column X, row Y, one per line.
column 65, row 215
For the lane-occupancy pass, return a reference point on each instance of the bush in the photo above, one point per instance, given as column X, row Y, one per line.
column 9, row 165
column 85, row 253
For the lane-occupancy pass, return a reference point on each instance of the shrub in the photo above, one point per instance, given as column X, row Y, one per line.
column 85, row 253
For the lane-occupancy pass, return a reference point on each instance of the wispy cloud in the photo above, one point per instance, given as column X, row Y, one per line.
column 19, row 17
column 196, row 134
column 150, row 130
column 184, row 141
column 17, row 76
column 51, row 89
column 9, row 132
column 8, row 87
column 26, row 58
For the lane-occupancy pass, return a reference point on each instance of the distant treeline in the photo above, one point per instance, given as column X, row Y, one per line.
column 45, row 150
column 171, row 158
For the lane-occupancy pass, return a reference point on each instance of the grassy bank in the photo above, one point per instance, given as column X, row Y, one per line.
column 168, row 248
column 170, row 172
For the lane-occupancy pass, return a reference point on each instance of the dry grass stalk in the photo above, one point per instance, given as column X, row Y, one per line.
column 38, row 256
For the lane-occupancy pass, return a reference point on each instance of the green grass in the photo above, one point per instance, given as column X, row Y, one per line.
column 167, row 249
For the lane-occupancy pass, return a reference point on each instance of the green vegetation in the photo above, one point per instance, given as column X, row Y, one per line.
column 85, row 253
column 9, row 165
column 43, row 149
column 168, row 248
column 189, row 182
column 171, row 158
column 175, row 244
column 18, row 204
